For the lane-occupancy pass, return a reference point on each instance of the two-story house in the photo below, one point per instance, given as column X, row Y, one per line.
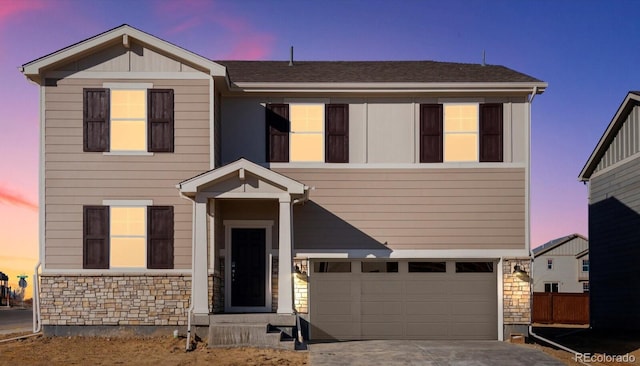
column 376, row 200
column 562, row 265
column 613, row 176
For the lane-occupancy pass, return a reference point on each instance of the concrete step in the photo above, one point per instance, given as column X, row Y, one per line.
column 260, row 318
column 246, row 334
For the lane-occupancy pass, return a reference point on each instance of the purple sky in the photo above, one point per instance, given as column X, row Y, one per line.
column 587, row 51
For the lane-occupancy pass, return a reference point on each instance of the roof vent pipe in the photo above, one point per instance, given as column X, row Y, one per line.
column 291, row 56
column 484, row 56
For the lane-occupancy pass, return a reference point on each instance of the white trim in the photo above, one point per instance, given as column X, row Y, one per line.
column 127, row 86
column 445, row 165
column 500, row 294
column 212, row 131
column 130, row 203
column 523, row 87
column 527, row 182
column 267, row 225
column 613, row 166
column 126, row 75
column 118, row 272
column 128, row 153
column 247, row 195
column 41, row 184
column 410, row 254
column 322, row 101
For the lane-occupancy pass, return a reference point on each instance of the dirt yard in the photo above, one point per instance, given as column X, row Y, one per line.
column 158, row 351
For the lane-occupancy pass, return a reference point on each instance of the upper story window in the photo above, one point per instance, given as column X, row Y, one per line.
column 460, row 132
column 550, row 263
column 307, row 133
column 128, row 120
column 585, row 265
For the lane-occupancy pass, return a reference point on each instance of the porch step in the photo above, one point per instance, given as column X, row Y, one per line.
column 255, row 330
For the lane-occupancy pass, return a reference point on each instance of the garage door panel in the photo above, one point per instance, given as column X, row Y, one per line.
column 404, row 305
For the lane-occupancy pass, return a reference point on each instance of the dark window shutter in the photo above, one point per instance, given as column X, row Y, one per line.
column 431, row 133
column 95, row 237
column 160, row 237
column 278, row 128
column 95, row 119
column 160, row 118
column 337, row 133
column 491, row 132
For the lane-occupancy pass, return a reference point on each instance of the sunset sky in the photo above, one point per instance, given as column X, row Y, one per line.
column 586, row 50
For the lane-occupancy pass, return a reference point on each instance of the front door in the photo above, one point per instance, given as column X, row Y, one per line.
column 248, row 268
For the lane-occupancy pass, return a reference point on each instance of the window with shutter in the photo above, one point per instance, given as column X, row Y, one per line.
column 431, row 133
column 277, row 133
column 96, row 119
column 337, row 133
column 95, row 237
column 491, row 140
column 128, row 119
column 160, row 237
column 160, row 124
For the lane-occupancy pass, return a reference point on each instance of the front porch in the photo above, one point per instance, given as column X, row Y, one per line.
column 242, row 240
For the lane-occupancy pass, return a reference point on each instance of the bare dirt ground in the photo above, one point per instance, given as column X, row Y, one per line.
column 156, row 351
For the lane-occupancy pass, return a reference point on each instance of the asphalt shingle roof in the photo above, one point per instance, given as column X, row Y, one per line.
column 370, row 72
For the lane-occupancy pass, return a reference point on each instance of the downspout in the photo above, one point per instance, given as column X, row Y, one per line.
column 193, row 272
column 37, row 321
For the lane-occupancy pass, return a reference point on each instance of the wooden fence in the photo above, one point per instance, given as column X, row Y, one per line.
column 561, row 308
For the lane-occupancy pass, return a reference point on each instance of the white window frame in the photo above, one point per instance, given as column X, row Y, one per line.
column 130, row 86
column 324, row 132
column 445, row 133
column 134, row 204
column 586, row 287
column 588, row 265
column 550, row 264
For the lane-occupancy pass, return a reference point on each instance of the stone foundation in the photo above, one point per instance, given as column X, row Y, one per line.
column 274, row 284
column 114, row 299
column 300, row 287
column 516, row 295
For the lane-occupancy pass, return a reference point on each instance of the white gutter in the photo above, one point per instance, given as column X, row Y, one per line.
column 37, row 320
column 193, row 273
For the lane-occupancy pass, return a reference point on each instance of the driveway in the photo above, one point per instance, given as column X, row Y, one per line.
column 15, row 320
column 460, row 353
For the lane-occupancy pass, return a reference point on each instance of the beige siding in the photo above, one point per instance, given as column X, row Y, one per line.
column 246, row 210
column 411, row 208
column 74, row 178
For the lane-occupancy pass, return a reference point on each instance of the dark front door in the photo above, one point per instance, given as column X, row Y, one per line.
column 248, row 267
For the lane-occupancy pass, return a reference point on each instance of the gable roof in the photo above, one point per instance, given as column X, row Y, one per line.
column 631, row 100
column 552, row 244
column 34, row 69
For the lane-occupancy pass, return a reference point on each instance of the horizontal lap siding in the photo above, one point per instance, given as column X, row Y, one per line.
column 411, row 208
column 74, row 178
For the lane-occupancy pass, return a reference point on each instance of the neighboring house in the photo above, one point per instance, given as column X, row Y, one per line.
column 172, row 184
column 562, row 265
column 613, row 174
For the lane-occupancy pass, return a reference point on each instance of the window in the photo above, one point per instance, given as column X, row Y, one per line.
column 585, row 287
column 551, row 287
column 550, row 263
column 128, row 120
column 332, row 267
column 128, row 236
column 307, row 133
column 379, row 267
column 585, row 265
column 439, row 267
column 469, row 267
column 461, row 132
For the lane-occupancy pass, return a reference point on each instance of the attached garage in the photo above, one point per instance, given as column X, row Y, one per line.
column 408, row 299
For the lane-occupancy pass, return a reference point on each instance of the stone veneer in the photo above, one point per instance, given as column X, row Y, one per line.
column 300, row 287
column 517, row 292
column 120, row 299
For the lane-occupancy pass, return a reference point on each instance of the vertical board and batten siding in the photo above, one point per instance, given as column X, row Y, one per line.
column 74, row 178
column 411, row 208
column 614, row 254
column 572, row 247
column 625, row 144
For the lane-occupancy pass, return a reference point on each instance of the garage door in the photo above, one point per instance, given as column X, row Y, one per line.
column 403, row 300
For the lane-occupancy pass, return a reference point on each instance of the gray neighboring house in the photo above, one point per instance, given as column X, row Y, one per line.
column 562, row 265
column 376, row 200
column 613, row 175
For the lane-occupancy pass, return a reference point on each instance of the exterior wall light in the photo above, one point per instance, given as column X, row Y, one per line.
column 520, row 273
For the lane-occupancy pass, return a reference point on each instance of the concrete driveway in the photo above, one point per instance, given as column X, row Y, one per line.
column 460, row 353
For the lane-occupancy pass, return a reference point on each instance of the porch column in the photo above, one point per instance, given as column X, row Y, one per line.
column 200, row 284
column 285, row 261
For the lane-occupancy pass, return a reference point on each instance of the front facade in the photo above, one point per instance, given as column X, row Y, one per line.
column 562, row 265
column 376, row 200
column 612, row 176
